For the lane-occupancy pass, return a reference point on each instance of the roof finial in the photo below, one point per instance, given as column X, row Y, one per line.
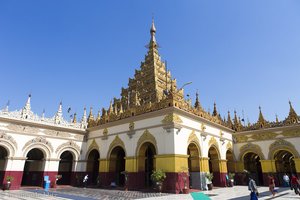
column 153, row 31
column 58, row 117
column 84, row 120
column 27, row 108
column 215, row 112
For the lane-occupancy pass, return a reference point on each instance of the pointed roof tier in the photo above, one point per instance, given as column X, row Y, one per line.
column 197, row 103
column 152, row 88
column 293, row 118
column 237, row 125
column 26, row 111
column 229, row 122
column 59, row 115
column 261, row 122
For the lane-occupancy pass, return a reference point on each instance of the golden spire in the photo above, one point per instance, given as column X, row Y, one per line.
column 261, row 122
column 197, row 103
column 110, row 110
column 90, row 120
column 237, row 126
column 74, row 119
column 152, row 33
column 98, row 118
column 229, row 122
column 293, row 118
column 215, row 112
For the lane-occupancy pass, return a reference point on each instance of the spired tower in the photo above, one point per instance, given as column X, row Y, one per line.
column 152, row 82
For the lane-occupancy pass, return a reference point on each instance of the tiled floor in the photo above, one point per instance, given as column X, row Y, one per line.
column 234, row 193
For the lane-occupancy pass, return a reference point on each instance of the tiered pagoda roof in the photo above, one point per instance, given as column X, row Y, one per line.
column 152, row 88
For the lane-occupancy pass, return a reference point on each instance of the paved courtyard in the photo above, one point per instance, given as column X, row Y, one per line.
column 235, row 193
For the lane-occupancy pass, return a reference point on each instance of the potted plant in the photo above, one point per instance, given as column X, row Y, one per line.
column 209, row 177
column 158, row 176
column 125, row 173
column 57, row 177
column 9, row 179
column 231, row 179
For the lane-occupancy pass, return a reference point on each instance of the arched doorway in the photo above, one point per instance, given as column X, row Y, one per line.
column 117, row 165
column 194, row 166
column 253, row 166
column 93, row 166
column 146, row 162
column 34, row 168
column 3, row 161
column 214, row 166
column 284, row 164
column 230, row 161
column 65, row 168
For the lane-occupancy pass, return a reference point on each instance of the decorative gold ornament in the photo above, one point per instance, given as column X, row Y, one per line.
column 131, row 126
column 171, row 118
column 93, row 145
column 116, row 142
column 146, row 137
column 203, row 127
column 294, row 133
column 250, row 147
column 264, row 136
column 213, row 141
column 281, row 144
column 240, row 138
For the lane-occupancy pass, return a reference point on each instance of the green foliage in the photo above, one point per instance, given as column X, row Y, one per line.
column 231, row 175
column 209, row 176
column 158, row 176
column 9, row 178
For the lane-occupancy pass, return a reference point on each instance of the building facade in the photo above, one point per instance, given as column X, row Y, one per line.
column 151, row 126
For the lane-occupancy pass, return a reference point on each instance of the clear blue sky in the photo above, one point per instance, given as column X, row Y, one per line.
column 241, row 54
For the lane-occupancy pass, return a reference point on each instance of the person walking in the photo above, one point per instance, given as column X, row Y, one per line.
column 286, row 180
column 295, row 184
column 253, row 188
column 85, row 180
column 271, row 184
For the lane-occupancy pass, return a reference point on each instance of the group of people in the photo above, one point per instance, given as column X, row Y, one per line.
column 293, row 183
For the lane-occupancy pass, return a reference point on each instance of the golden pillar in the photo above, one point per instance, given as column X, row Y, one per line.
column 239, row 166
column 171, row 162
column 268, row 166
column 297, row 164
column 204, row 164
column 223, row 166
column 131, row 164
column 103, row 165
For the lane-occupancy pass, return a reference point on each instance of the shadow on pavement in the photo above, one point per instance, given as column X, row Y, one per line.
column 265, row 194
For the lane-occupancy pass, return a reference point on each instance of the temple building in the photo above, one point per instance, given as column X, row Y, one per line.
column 150, row 126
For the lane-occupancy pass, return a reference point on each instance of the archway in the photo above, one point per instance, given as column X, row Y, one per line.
column 214, row 166
column 117, row 165
column 3, row 161
column 284, row 164
column 194, row 166
column 93, row 166
column 65, row 168
column 34, row 168
column 253, row 166
column 230, row 161
column 146, row 162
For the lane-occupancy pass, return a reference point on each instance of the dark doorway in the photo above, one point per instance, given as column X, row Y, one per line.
column 117, row 165
column 65, row 168
column 252, row 164
column 34, row 168
column 284, row 164
column 3, row 162
column 93, row 166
